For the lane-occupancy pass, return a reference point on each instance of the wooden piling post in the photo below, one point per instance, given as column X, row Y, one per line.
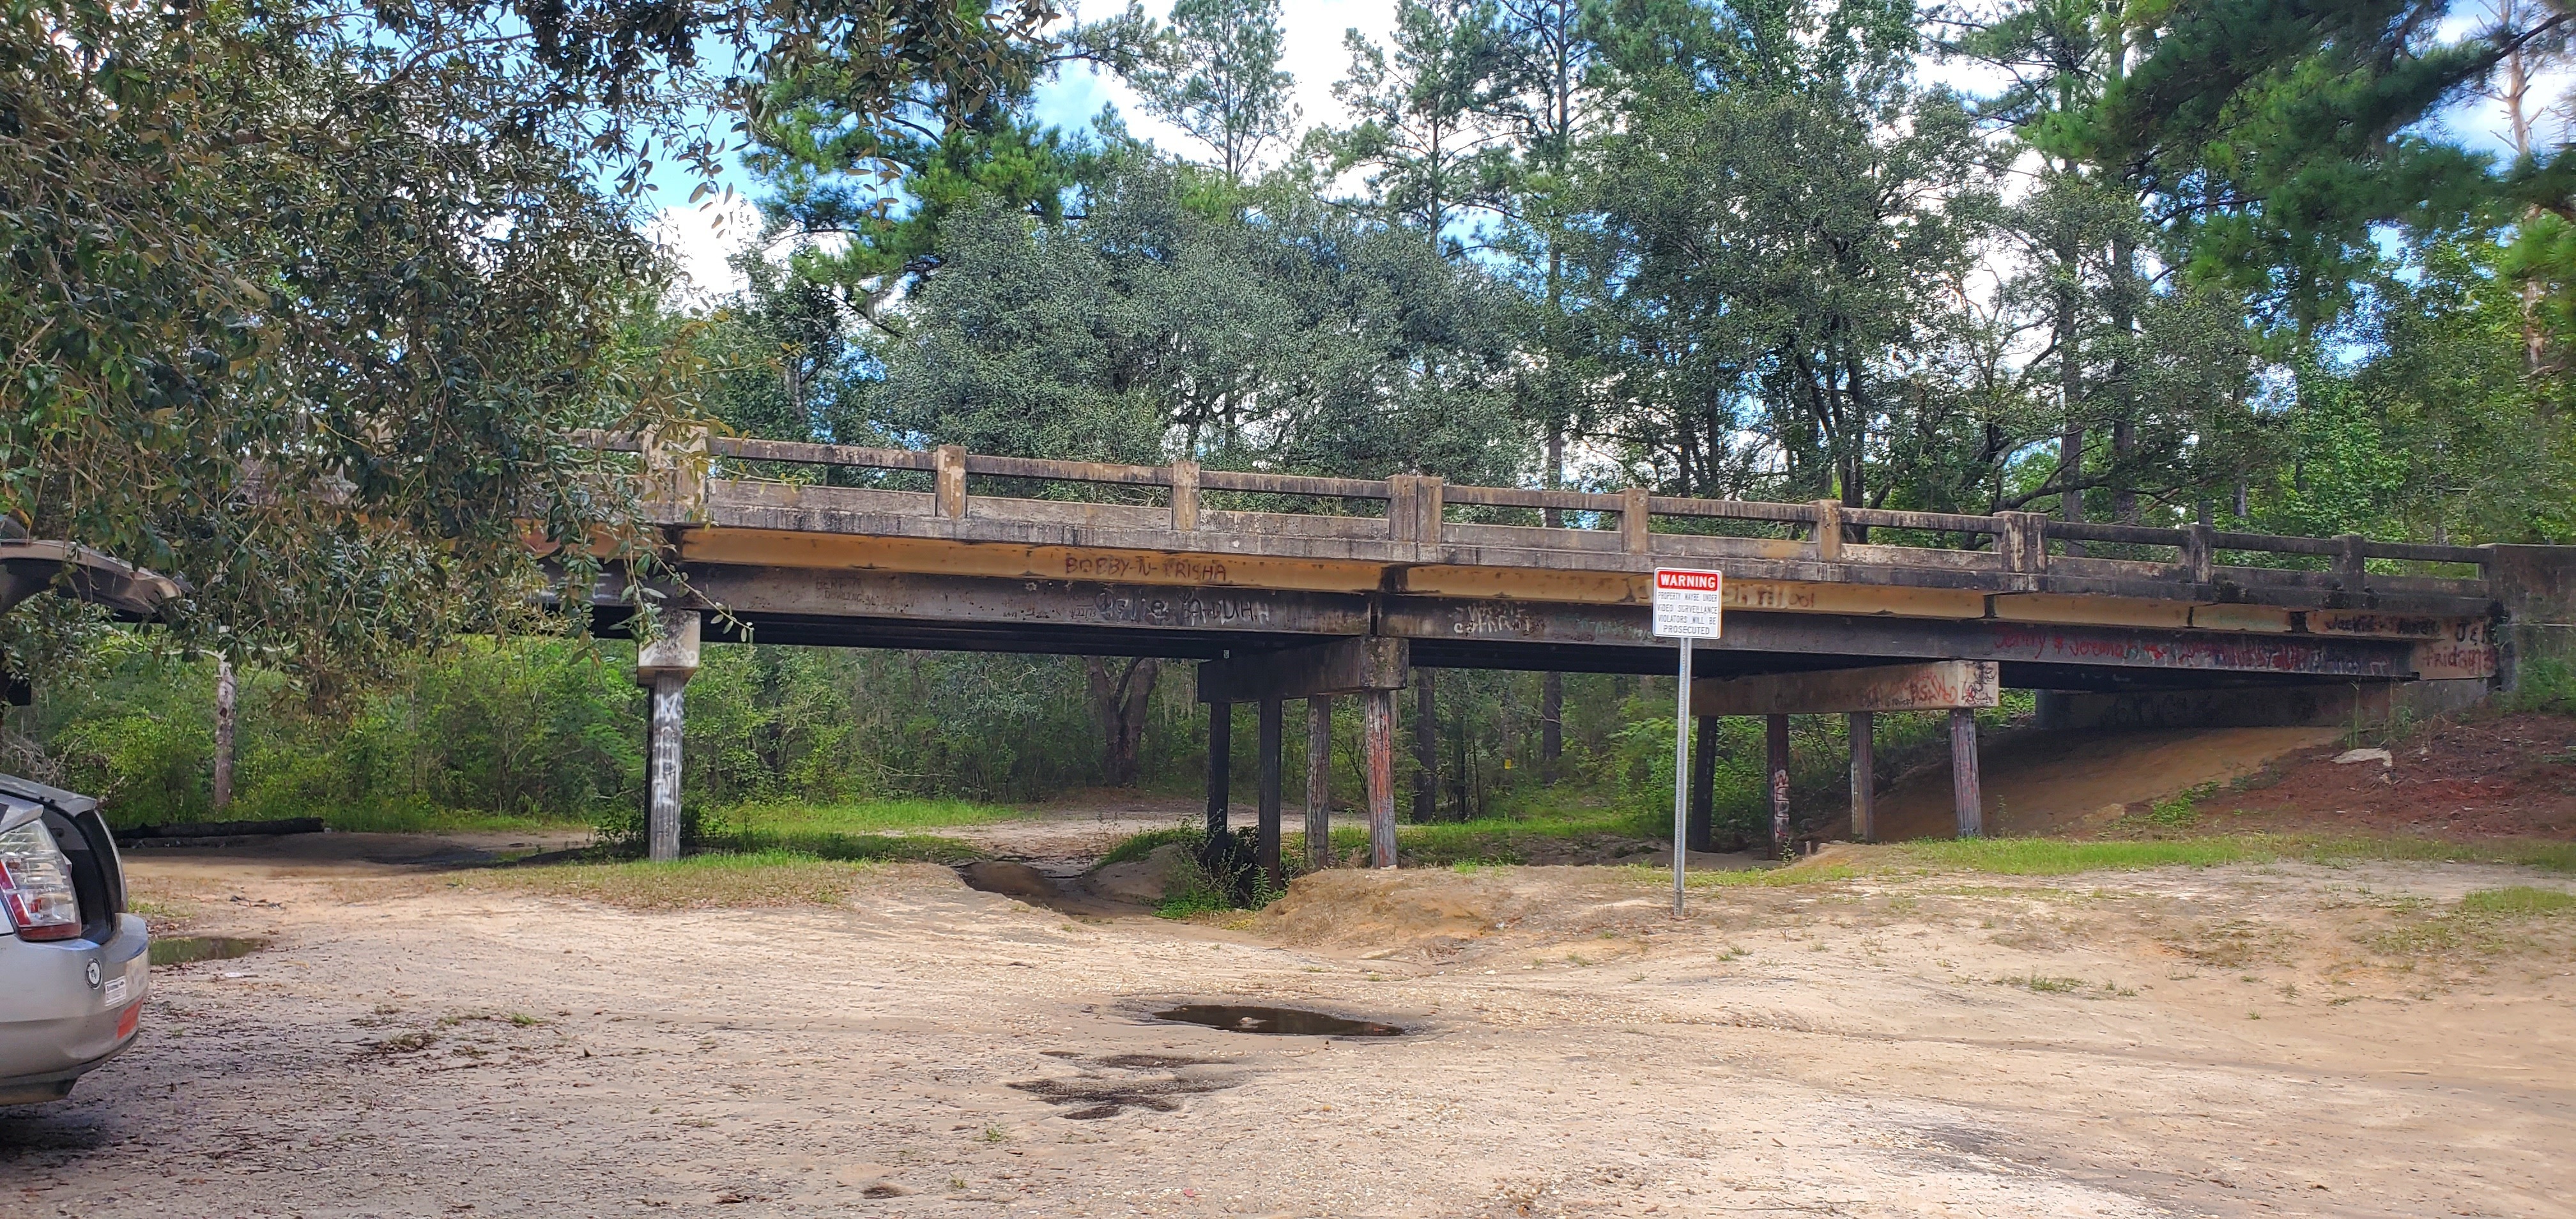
column 1864, row 787
column 1703, row 781
column 1220, row 775
column 1265, row 842
column 1775, row 738
column 1964, row 793
column 1319, row 782
column 1377, row 737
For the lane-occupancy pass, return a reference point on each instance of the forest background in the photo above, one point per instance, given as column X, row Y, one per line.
column 2213, row 260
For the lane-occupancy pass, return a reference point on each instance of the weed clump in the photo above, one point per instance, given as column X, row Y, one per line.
column 2518, row 900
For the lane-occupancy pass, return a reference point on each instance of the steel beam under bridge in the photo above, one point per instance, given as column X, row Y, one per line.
column 981, row 613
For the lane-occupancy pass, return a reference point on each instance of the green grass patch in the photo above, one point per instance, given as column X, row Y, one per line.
column 2517, row 900
column 2182, row 809
column 837, row 847
column 2061, row 857
column 1138, row 846
column 865, row 816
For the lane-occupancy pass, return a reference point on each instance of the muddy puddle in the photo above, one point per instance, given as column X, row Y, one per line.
column 1288, row 1021
column 180, row 950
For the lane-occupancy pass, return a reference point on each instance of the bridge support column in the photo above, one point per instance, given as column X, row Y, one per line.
column 1377, row 740
column 1864, row 786
column 1369, row 665
column 1955, row 685
column 1319, row 782
column 1965, row 795
column 1220, row 777
column 1701, row 833
column 1265, row 842
column 1775, row 740
column 664, row 666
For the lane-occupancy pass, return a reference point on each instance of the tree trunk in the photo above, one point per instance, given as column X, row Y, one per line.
column 1120, row 704
column 1551, row 696
column 2070, row 384
column 1426, row 749
column 2124, row 396
column 1551, row 724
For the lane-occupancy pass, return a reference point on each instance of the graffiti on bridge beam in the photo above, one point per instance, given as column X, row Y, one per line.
column 1184, row 610
column 1496, row 619
column 1142, row 566
column 2261, row 653
column 2466, row 649
column 2328, row 622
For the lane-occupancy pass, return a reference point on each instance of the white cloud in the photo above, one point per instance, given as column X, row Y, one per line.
column 700, row 237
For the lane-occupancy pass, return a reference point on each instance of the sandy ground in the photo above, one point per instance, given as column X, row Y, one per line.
column 2238, row 1041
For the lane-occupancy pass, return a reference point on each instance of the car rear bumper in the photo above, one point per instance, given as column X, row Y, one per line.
column 55, row 1022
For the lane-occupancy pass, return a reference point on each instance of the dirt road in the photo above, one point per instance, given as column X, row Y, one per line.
column 2239, row 1041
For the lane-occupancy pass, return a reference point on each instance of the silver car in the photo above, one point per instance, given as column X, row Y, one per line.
column 74, row 965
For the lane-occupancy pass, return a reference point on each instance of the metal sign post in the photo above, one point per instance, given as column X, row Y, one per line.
column 1688, row 606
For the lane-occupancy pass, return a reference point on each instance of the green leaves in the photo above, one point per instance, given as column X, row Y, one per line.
column 325, row 375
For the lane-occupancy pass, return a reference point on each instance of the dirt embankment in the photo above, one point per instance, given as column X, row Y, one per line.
column 2493, row 776
column 2511, row 776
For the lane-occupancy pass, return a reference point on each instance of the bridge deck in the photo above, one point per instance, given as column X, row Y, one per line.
column 1146, row 562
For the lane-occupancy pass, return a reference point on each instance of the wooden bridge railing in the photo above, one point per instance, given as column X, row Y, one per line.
column 1415, row 502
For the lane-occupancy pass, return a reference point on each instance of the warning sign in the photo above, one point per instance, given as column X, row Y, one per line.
column 1687, row 603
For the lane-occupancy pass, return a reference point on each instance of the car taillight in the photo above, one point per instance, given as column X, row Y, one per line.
column 36, row 885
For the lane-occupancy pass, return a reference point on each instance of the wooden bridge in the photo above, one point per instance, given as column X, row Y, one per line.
column 1300, row 587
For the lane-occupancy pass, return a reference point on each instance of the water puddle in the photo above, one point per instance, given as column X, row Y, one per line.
column 1291, row 1021
column 1093, row 1095
column 180, row 950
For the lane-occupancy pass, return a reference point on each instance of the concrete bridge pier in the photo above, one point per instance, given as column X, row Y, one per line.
column 1957, row 686
column 1371, row 666
column 664, row 666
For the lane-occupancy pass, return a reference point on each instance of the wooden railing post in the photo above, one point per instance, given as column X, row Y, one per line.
column 675, row 464
column 949, row 469
column 1633, row 522
column 1403, row 515
column 1428, row 511
column 2024, row 542
column 1185, row 496
column 2200, row 553
column 2349, row 562
column 1827, row 533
